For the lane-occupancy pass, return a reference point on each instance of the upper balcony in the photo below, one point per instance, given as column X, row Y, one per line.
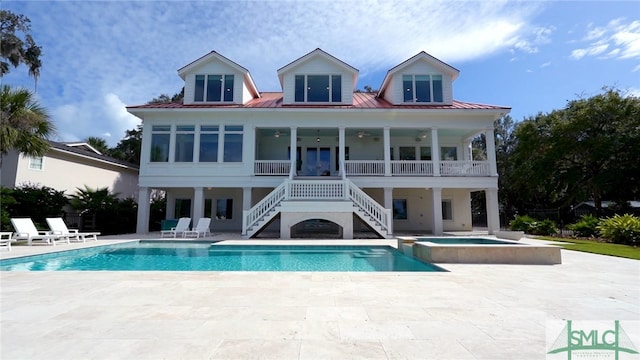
column 370, row 152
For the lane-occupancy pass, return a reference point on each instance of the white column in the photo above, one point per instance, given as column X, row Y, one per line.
column 294, row 154
column 436, row 194
column 144, row 204
column 467, row 150
column 171, row 205
column 387, row 151
column 493, row 210
column 196, row 144
column 246, row 198
column 172, row 144
column 341, row 151
column 491, row 151
column 198, row 204
column 435, row 154
column 388, row 198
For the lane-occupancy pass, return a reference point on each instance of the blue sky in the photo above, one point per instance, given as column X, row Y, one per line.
column 533, row 56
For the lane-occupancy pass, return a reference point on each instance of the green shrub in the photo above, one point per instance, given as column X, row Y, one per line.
column 544, row 227
column 621, row 229
column 532, row 226
column 587, row 226
column 521, row 223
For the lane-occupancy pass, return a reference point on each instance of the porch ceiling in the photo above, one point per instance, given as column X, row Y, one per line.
column 378, row 132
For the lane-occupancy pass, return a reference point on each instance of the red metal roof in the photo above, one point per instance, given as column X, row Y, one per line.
column 271, row 100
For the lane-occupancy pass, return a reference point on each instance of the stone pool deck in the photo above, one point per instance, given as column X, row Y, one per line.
column 471, row 312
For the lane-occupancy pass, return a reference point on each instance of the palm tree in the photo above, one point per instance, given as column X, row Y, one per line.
column 25, row 125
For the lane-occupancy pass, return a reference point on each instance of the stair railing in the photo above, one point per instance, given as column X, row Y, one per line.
column 371, row 207
column 258, row 211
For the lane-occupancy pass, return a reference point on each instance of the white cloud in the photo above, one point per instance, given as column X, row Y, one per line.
column 99, row 56
column 544, row 65
column 622, row 40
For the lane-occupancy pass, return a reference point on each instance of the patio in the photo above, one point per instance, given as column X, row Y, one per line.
column 471, row 312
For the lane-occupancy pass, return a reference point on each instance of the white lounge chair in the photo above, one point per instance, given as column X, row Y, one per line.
column 181, row 227
column 58, row 227
column 5, row 240
column 201, row 228
column 26, row 230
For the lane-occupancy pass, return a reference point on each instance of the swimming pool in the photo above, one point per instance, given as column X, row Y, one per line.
column 199, row 256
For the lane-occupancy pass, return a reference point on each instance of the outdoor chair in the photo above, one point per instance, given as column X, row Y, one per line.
column 26, row 230
column 58, row 227
column 181, row 227
column 5, row 240
column 201, row 228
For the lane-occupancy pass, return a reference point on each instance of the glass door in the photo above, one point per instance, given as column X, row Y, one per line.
column 318, row 161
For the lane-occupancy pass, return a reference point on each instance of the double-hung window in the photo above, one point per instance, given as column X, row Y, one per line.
column 422, row 88
column 213, row 88
column 36, row 163
column 160, row 138
column 318, row 88
column 184, row 143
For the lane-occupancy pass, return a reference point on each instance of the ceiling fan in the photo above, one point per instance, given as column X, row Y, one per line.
column 360, row 134
column 278, row 133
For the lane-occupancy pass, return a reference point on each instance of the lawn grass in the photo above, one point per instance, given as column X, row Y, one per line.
column 596, row 247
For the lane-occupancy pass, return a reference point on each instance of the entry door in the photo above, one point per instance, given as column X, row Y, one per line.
column 318, row 161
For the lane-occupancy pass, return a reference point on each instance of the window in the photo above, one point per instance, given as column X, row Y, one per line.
column 425, row 153
column 407, row 153
column 36, row 163
column 422, row 88
column 184, row 143
column 400, row 209
column 224, row 209
column 318, row 88
column 183, row 208
column 233, row 143
column 447, row 210
column 160, row 138
column 449, row 153
column 209, row 143
column 218, row 88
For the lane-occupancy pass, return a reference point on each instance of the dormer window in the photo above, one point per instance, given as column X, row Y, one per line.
column 422, row 88
column 318, row 88
column 213, row 88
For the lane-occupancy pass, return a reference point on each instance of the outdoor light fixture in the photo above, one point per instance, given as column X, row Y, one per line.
column 318, row 137
column 276, row 134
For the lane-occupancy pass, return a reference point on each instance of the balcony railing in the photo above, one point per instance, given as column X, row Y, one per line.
column 377, row 168
column 464, row 168
column 272, row 167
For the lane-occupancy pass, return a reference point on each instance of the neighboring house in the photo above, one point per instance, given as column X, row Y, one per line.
column 589, row 207
column 399, row 160
column 69, row 166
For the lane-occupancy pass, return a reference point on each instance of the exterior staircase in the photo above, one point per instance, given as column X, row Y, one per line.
column 317, row 197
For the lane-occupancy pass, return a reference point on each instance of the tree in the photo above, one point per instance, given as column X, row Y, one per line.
column 98, row 144
column 35, row 201
column 165, row 99
column 25, row 126
column 586, row 151
column 16, row 50
column 128, row 149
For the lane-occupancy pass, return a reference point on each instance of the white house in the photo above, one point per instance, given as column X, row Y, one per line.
column 399, row 160
column 69, row 166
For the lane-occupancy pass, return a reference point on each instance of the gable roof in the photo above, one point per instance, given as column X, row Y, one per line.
column 213, row 55
column 83, row 145
column 315, row 54
column 421, row 56
column 85, row 153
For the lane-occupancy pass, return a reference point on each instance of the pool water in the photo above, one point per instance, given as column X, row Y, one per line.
column 467, row 241
column 198, row 256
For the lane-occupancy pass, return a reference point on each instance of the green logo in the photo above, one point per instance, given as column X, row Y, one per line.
column 593, row 342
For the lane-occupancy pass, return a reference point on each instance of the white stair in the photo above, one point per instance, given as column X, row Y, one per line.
column 315, row 192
